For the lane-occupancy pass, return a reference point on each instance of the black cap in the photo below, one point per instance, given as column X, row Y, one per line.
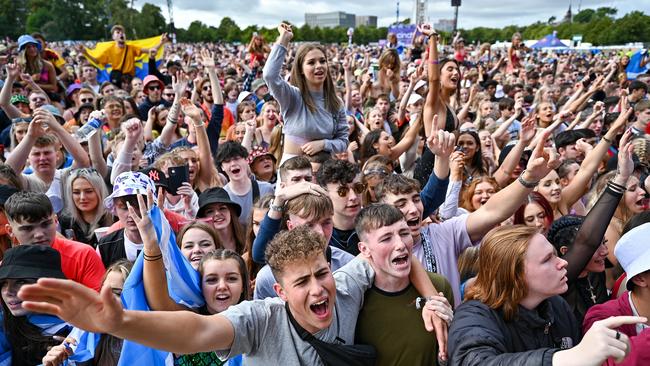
column 159, row 178
column 31, row 261
column 216, row 195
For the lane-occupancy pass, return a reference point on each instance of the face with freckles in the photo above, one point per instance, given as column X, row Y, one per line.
column 310, row 291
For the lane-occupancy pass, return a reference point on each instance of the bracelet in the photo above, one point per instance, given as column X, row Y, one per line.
column 421, row 301
column 434, row 62
column 197, row 125
column 618, row 188
column 607, row 140
column 152, row 258
column 274, row 207
column 526, row 183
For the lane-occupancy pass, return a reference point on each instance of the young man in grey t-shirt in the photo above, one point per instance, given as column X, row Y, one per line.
column 258, row 329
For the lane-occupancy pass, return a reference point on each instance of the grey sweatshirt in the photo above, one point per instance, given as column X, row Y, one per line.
column 299, row 121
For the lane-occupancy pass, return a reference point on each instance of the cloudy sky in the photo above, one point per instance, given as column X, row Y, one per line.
column 472, row 13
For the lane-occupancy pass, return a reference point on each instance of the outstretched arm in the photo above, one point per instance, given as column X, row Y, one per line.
column 590, row 236
column 102, row 313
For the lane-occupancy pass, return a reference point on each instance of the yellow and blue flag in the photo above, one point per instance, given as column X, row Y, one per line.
column 141, row 62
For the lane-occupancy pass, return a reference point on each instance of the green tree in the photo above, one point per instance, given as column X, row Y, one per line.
column 150, row 22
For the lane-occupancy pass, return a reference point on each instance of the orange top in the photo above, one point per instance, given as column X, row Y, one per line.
column 115, row 56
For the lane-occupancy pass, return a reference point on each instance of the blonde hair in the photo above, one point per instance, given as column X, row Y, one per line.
column 501, row 281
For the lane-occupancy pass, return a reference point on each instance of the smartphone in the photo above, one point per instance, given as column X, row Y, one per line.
column 176, row 176
column 587, row 82
column 460, row 148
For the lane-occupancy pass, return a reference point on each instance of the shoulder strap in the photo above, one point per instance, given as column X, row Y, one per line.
column 256, row 189
column 126, row 51
column 302, row 332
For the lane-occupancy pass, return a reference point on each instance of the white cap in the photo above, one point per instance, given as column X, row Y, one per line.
column 243, row 95
column 414, row 98
column 420, row 84
column 633, row 252
column 499, row 93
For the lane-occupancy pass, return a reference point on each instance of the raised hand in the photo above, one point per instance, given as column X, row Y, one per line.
column 622, row 119
column 542, row 160
column 142, row 220
column 441, row 143
column 427, row 29
column 187, row 192
column 179, row 83
column 14, row 70
column 286, row 33
column 207, row 59
column 625, row 166
column 132, row 129
column 528, row 130
column 44, row 116
column 190, row 110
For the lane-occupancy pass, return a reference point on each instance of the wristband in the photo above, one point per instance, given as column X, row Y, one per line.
column 274, row 207
column 434, row 62
column 607, row 140
column 197, row 125
column 526, row 183
column 421, row 301
column 152, row 258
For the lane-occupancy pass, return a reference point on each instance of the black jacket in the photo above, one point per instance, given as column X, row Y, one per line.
column 111, row 247
column 479, row 335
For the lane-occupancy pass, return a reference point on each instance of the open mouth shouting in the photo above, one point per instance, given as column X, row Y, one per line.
column 321, row 309
column 401, row 261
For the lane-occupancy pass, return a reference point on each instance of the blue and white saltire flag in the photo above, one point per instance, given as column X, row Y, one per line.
column 634, row 68
column 184, row 287
column 86, row 344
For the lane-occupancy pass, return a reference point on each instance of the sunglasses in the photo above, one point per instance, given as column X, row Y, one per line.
column 153, row 87
column 37, row 99
column 207, row 87
column 21, row 120
column 357, row 187
column 170, row 95
column 87, row 100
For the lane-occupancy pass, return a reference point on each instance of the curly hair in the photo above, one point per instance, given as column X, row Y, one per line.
column 297, row 245
column 336, row 171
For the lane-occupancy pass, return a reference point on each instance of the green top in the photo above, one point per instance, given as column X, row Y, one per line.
column 391, row 323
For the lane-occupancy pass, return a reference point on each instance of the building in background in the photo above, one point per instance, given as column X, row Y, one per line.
column 420, row 15
column 444, row 25
column 331, row 20
column 367, row 20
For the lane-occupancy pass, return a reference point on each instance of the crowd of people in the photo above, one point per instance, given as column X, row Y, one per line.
column 323, row 205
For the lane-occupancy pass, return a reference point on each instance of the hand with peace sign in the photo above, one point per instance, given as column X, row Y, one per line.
column 141, row 218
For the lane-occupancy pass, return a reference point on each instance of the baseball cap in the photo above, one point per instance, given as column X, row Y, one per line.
column 258, row 83
column 243, row 95
column 158, row 177
column 633, row 253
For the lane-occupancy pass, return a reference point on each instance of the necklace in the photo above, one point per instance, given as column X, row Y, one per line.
column 591, row 290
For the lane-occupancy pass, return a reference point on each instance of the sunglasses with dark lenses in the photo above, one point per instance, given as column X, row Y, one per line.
column 21, row 120
column 169, row 95
column 153, row 87
column 87, row 100
column 358, row 188
column 207, row 87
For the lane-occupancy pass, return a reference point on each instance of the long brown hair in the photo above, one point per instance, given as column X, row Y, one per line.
column 332, row 101
column 501, row 282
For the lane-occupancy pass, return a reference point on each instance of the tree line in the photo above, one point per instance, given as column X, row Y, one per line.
column 92, row 19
